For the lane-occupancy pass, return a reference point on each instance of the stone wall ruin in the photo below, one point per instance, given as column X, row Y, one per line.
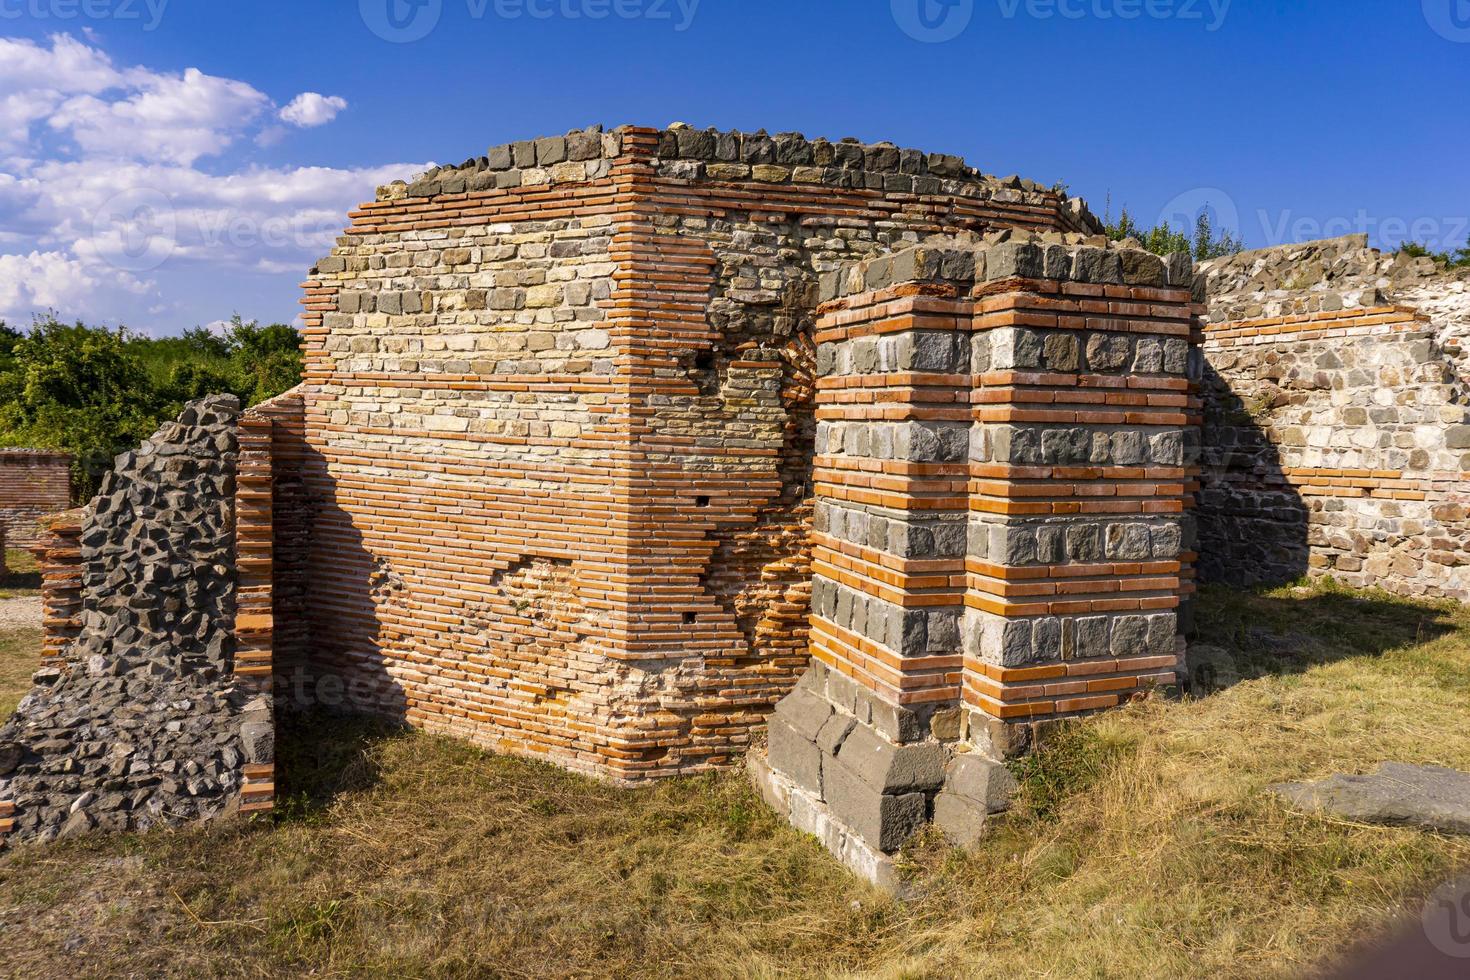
column 140, row 719
column 612, row 447
column 1336, row 435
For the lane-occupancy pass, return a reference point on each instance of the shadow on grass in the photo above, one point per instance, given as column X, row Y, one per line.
column 1243, row 635
column 22, row 573
column 321, row 756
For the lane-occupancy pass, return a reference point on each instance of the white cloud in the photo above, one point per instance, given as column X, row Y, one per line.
column 312, row 109
column 40, row 281
column 173, row 118
column 107, row 209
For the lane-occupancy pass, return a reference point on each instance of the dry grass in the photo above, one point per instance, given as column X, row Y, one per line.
column 1145, row 847
column 19, row 654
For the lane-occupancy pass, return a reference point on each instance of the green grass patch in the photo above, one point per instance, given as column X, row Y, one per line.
column 23, row 575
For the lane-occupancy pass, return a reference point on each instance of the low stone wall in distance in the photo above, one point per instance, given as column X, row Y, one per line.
column 1336, row 439
column 33, row 484
column 138, row 718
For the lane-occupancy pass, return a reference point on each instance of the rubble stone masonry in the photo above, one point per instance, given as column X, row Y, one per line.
column 152, row 705
column 1337, row 440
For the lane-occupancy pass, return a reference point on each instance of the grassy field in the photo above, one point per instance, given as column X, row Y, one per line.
column 1144, row 846
column 24, row 576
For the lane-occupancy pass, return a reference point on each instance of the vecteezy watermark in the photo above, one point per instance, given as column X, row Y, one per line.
column 1269, row 229
column 136, row 231
column 1435, row 234
column 1447, row 919
column 933, row 21
column 406, row 21
column 1211, row 13
column 149, row 11
column 1449, row 18
column 1183, row 212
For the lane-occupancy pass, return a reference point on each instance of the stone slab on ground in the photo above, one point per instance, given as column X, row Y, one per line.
column 1430, row 797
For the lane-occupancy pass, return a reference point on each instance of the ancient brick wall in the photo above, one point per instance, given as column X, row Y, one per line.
column 558, row 431
column 152, row 705
column 1336, row 437
column 33, row 484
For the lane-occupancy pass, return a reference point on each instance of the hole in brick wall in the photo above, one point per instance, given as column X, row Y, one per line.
column 704, row 360
column 701, row 501
column 691, row 618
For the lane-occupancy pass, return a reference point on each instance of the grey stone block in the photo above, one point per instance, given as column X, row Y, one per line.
column 983, row 781
column 794, row 755
column 1130, row 636
column 893, row 721
column 805, row 711
column 960, row 819
column 890, row 768
column 885, row 821
column 835, row 732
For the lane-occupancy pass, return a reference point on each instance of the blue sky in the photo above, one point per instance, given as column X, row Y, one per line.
column 166, row 163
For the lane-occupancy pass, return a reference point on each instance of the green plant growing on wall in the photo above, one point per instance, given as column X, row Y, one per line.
column 1458, row 259
column 1204, row 242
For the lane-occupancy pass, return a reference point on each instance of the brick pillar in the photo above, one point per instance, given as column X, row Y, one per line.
column 1000, row 483
column 254, row 621
column 1082, row 404
column 61, row 584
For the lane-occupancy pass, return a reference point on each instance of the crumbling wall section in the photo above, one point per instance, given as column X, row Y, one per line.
column 576, row 375
column 1336, row 437
column 139, row 718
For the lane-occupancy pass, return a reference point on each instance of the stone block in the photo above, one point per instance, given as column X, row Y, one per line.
column 983, row 781
column 885, row 821
column 806, row 712
column 960, row 819
column 890, row 768
column 795, row 756
column 834, row 732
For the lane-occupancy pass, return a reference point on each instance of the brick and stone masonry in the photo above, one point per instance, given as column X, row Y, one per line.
column 609, row 442
column 1337, row 440
column 558, row 433
column 34, row 483
column 1002, row 473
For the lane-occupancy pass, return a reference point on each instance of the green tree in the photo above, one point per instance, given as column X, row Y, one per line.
column 1205, row 242
column 95, row 393
column 1458, row 259
column 77, row 389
